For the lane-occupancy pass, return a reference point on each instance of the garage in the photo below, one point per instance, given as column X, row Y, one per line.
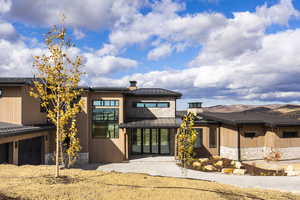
column 5, row 153
column 30, row 151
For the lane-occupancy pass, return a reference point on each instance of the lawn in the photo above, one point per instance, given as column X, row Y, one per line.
column 37, row 182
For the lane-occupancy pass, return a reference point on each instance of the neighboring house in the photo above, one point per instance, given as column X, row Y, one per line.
column 119, row 123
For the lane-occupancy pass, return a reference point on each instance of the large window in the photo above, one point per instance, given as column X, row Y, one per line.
column 212, row 137
column 105, row 122
column 151, row 104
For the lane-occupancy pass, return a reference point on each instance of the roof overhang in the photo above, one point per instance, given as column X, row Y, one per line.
column 152, row 123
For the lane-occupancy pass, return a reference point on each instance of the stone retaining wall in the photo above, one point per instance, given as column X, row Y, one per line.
column 229, row 152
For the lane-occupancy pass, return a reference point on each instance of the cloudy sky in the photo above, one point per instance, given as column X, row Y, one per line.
column 215, row 51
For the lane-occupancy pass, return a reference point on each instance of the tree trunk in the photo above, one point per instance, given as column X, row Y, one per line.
column 57, row 139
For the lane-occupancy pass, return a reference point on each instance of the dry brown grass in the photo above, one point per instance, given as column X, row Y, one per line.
column 37, row 182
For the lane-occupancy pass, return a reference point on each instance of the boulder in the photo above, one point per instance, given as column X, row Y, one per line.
column 219, row 163
column 209, row 168
column 239, row 171
column 292, row 173
column 238, row 165
column 203, row 159
column 290, row 168
column 216, row 157
column 196, row 164
column 232, row 163
column 227, row 170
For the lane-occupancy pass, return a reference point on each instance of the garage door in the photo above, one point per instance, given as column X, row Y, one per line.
column 4, row 153
column 30, row 151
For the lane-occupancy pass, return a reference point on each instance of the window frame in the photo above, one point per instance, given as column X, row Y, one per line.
column 201, row 139
column 156, row 104
column 215, row 139
column 246, row 134
column 106, row 103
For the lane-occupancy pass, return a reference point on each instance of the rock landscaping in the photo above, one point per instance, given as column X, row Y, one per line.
column 227, row 166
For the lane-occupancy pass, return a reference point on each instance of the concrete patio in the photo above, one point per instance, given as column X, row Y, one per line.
column 166, row 166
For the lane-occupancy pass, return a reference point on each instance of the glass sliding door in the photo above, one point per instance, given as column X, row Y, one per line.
column 154, row 141
column 146, row 140
column 136, row 141
column 164, row 141
column 150, row 141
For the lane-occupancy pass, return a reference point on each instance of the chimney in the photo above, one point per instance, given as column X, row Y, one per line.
column 132, row 85
column 195, row 107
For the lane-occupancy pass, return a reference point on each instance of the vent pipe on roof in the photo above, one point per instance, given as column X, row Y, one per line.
column 133, row 85
column 195, row 107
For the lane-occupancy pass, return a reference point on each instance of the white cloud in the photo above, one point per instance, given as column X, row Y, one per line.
column 237, row 58
column 243, row 33
column 4, row 6
column 16, row 57
column 164, row 23
column 92, row 14
column 7, row 31
column 97, row 65
column 78, row 34
column 279, row 13
column 268, row 74
column 160, row 51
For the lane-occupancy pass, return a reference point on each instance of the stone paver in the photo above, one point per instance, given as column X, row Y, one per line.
column 165, row 166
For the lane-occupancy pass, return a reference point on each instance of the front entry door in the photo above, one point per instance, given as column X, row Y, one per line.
column 150, row 141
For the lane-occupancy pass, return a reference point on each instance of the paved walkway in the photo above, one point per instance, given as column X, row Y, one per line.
column 165, row 166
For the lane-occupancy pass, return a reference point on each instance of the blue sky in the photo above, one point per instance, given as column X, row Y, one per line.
column 215, row 51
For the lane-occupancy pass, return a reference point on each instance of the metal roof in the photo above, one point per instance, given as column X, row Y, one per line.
column 109, row 89
column 249, row 117
column 152, row 123
column 15, row 80
column 153, row 92
column 8, row 129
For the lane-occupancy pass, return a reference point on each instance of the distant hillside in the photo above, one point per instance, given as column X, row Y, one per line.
column 241, row 107
column 290, row 110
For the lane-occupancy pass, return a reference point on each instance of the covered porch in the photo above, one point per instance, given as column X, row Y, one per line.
column 151, row 137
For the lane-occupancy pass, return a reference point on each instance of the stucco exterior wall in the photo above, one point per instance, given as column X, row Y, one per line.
column 109, row 149
column 82, row 124
column 11, row 105
column 132, row 112
column 31, row 113
column 206, row 150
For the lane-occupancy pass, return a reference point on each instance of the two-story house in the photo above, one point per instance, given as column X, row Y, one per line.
column 115, row 124
column 120, row 123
